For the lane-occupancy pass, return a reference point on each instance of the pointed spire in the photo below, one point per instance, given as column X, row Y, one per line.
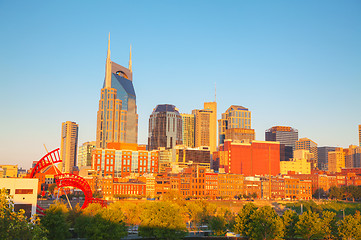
column 130, row 58
column 215, row 91
column 108, row 53
column 108, row 68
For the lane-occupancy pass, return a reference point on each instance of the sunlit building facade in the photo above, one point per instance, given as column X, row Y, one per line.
column 202, row 127
column 287, row 137
column 24, row 192
column 8, row 171
column 165, row 127
column 243, row 135
column 300, row 166
column 122, row 161
column 68, row 147
column 336, row 160
column 85, row 154
column 234, row 117
column 308, row 144
column 188, row 122
column 353, row 157
column 212, row 107
column 117, row 118
column 249, row 159
column 359, row 135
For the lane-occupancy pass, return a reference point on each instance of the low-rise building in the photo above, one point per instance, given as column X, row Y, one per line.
column 211, row 185
column 252, row 185
column 300, row 166
column 9, row 171
column 124, row 159
column 24, row 192
column 230, row 185
column 131, row 188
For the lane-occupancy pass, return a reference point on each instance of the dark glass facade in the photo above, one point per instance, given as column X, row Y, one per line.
column 122, row 81
column 165, row 127
column 193, row 155
column 323, row 157
column 286, row 136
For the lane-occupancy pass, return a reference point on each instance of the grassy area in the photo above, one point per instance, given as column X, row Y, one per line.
column 334, row 206
column 280, row 206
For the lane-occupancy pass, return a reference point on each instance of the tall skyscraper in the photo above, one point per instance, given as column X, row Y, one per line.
column 85, row 154
column 69, row 143
column 165, row 127
column 359, row 135
column 205, row 131
column 336, row 160
column 212, row 106
column 287, row 137
column 117, row 118
column 202, row 127
column 188, row 129
column 308, row 144
column 353, row 157
column 234, row 117
column 322, row 157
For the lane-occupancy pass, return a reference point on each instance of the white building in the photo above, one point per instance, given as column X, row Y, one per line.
column 24, row 192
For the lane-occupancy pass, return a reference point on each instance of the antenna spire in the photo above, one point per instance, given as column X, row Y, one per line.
column 108, row 68
column 130, row 58
column 108, row 53
column 215, row 91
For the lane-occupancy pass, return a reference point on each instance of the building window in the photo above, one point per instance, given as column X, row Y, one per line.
column 23, row 191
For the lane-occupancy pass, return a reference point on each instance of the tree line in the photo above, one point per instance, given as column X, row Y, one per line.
column 352, row 193
column 172, row 218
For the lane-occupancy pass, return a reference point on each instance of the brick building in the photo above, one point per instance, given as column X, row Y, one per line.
column 249, row 159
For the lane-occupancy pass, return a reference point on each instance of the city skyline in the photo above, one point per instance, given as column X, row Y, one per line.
column 291, row 64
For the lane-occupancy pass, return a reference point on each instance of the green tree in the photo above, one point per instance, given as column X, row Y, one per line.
column 228, row 216
column 162, row 220
column 92, row 209
column 265, row 224
column 353, row 192
column 113, row 213
column 335, row 193
column 131, row 211
column 320, row 193
column 309, row 226
column 98, row 228
column 97, row 222
column 72, row 215
column 199, row 212
column 350, row 227
column 290, row 218
column 219, row 219
column 218, row 225
column 173, row 195
column 243, row 219
column 329, row 224
column 55, row 221
column 15, row 225
column 346, row 192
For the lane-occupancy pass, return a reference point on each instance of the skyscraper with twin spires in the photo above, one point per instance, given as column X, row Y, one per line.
column 117, row 118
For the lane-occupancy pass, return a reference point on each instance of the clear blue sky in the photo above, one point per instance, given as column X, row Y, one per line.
column 294, row 63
